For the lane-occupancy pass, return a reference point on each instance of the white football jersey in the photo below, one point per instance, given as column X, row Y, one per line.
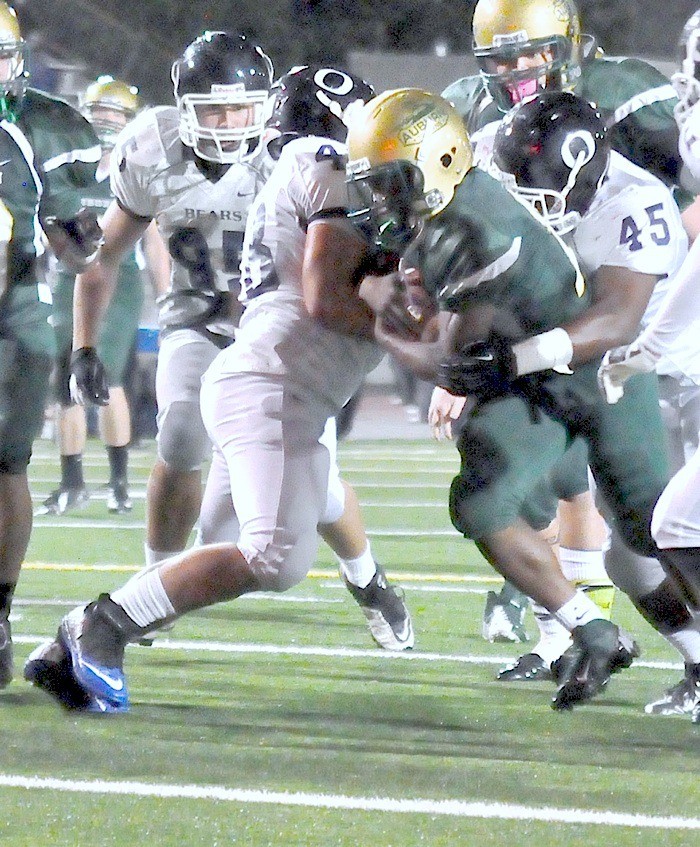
column 200, row 218
column 276, row 334
column 634, row 222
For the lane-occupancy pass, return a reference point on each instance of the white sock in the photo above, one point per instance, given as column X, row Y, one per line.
column 155, row 557
column 583, row 566
column 143, row 598
column 687, row 642
column 554, row 639
column 578, row 611
column 359, row 571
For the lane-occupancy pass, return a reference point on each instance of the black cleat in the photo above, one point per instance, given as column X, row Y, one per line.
column 586, row 667
column 387, row 616
column 49, row 668
column 118, row 500
column 683, row 698
column 528, row 668
column 64, row 500
column 6, row 659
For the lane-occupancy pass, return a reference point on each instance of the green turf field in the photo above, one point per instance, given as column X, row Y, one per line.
column 276, row 721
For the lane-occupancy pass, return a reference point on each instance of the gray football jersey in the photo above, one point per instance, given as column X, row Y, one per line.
column 277, row 335
column 201, row 218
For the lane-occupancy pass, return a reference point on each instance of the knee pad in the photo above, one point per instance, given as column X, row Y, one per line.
column 183, row 442
column 634, row 574
column 280, row 562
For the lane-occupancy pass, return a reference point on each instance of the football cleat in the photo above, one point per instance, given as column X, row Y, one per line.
column 504, row 622
column 118, row 500
column 49, row 668
column 585, row 669
column 683, row 698
column 94, row 637
column 627, row 651
column 64, row 500
column 527, row 668
column 6, row 661
column 387, row 616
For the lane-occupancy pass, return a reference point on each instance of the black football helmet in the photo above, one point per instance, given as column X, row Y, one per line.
column 687, row 80
column 226, row 70
column 314, row 100
column 553, row 152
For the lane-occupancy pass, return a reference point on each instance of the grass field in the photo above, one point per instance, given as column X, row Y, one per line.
column 276, row 721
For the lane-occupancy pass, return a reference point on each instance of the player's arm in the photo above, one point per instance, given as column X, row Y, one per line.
column 158, row 260
column 333, row 258
column 92, row 294
column 95, row 286
column 680, row 308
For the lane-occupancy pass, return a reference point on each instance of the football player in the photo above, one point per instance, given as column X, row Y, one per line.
column 48, row 156
column 521, row 48
column 630, row 242
column 109, row 104
column 500, row 277
column 194, row 169
column 303, row 347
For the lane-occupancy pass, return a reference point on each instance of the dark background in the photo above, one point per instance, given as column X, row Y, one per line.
column 137, row 41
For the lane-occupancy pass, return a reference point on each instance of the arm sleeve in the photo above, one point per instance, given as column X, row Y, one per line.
column 70, row 167
column 129, row 174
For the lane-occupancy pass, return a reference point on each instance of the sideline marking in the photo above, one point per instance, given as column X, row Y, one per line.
column 450, row 808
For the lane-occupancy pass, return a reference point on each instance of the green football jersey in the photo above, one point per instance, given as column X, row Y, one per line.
column 487, row 247
column 46, row 159
column 635, row 100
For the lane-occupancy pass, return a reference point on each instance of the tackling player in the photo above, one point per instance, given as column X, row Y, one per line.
column 500, row 277
column 303, row 348
column 524, row 47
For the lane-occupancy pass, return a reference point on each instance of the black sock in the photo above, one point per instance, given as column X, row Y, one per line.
column 7, row 591
column 72, row 471
column 118, row 459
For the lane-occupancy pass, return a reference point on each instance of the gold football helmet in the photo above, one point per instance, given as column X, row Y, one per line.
column 408, row 150
column 525, row 45
column 13, row 76
column 687, row 81
column 110, row 104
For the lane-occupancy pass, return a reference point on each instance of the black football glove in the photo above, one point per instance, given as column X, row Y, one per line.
column 75, row 241
column 88, row 380
column 483, row 369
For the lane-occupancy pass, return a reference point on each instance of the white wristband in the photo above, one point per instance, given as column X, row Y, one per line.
column 550, row 350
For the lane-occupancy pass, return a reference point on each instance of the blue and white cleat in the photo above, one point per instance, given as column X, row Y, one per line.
column 49, row 668
column 93, row 642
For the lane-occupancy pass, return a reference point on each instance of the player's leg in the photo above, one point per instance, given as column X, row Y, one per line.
column 173, row 494
column 115, row 348
column 71, row 427
column 26, row 354
column 505, row 452
column 272, row 453
column 342, row 528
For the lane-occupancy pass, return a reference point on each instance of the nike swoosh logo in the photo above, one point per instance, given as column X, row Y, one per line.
column 6, row 162
column 114, row 683
column 486, row 357
column 246, row 193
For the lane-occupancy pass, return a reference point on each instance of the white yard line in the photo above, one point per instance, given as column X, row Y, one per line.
column 448, row 808
column 162, row 643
